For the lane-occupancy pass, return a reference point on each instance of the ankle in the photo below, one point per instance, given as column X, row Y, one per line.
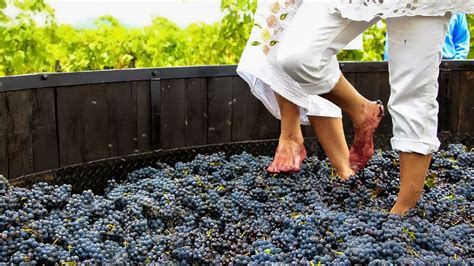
column 358, row 117
column 365, row 108
column 404, row 204
column 292, row 137
column 401, row 208
column 345, row 173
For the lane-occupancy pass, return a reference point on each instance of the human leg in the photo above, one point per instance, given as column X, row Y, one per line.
column 308, row 55
column 365, row 115
column 415, row 45
column 413, row 169
column 327, row 123
column 291, row 151
column 330, row 134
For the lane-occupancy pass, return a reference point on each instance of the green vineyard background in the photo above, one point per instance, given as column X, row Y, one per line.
column 27, row 46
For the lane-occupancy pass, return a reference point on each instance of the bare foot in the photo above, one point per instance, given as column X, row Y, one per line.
column 362, row 147
column 407, row 198
column 399, row 209
column 346, row 173
column 289, row 156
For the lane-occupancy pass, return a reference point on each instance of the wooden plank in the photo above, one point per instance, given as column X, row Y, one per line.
column 102, row 120
column 219, row 110
column 20, row 137
column 384, row 91
column 268, row 127
column 196, row 112
column 122, row 118
column 90, row 77
column 155, row 101
column 250, row 119
column 244, row 112
column 144, row 137
column 466, row 107
column 71, row 102
column 97, row 142
column 45, row 139
column 3, row 136
column 444, row 82
column 173, row 113
column 376, row 86
column 308, row 131
column 454, row 100
column 83, row 124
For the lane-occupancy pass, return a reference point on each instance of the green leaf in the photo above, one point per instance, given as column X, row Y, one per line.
column 431, row 180
column 295, row 215
column 273, row 43
column 283, row 16
column 409, row 233
column 209, row 232
column 256, row 43
column 450, row 197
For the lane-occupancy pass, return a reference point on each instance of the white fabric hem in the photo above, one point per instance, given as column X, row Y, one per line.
column 413, row 146
column 323, row 86
column 257, row 87
column 262, row 83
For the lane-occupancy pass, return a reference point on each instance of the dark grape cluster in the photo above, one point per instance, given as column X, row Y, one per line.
column 229, row 210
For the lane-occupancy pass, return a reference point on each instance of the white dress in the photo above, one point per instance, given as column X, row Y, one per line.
column 259, row 68
column 258, row 65
column 366, row 10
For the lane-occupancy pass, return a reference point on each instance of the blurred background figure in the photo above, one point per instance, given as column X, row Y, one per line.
column 457, row 41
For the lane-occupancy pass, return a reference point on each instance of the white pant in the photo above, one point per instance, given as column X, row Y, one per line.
column 308, row 55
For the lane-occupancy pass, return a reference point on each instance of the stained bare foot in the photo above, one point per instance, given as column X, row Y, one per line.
column 289, row 156
column 362, row 147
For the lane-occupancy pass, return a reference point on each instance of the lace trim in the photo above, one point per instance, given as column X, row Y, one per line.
column 370, row 9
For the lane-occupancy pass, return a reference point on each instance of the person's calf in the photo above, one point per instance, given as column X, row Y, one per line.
column 330, row 134
column 413, row 170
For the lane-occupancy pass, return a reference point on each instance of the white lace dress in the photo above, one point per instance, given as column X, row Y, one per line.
column 366, row 10
column 258, row 65
column 259, row 68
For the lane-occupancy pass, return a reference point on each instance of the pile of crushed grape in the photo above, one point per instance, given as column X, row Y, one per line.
column 229, row 210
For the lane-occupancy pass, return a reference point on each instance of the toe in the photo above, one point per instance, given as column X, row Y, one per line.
column 285, row 168
column 272, row 169
column 295, row 168
column 296, row 164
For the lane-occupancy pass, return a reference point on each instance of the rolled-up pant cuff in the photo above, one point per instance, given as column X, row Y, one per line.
column 413, row 146
column 332, row 76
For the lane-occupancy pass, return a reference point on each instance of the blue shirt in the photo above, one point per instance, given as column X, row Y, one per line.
column 456, row 45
